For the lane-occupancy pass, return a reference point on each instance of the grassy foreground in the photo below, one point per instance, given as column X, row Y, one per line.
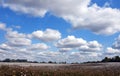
column 73, row 70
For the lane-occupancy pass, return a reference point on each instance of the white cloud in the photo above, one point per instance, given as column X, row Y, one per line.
column 19, row 42
column 115, row 48
column 26, row 7
column 48, row 35
column 20, row 45
column 70, row 42
column 112, row 51
column 91, row 46
column 49, row 53
column 79, row 50
column 80, row 13
column 38, row 46
column 116, row 44
column 2, row 26
column 14, row 34
column 17, row 39
column 95, row 54
column 80, row 57
column 5, row 47
column 64, row 49
column 49, row 56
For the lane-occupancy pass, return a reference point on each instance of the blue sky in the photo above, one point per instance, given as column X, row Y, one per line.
column 63, row 30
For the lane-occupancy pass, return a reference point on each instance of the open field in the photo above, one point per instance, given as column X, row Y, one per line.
column 36, row 69
column 31, row 64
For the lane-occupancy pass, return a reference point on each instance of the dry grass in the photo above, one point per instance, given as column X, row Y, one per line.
column 73, row 70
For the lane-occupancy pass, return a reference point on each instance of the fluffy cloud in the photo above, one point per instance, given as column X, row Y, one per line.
column 115, row 49
column 72, row 42
column 77, row 56
column 49, row 54
column 91, row 46
column 79, row 49
column 38, row 46
column 16, row 43
column 19, row 42
column 65, row 49
column 87, row 54
column 116, row 44
column 2, row 26
column 5, row 47
column 17, row 39
column 26, row 7
column 48, row 35
column 112, row 51
column 21, row 45
column 80, row 13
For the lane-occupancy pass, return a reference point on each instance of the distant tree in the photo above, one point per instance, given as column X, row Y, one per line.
column 106, row 59
column 43, row 62
column 117, row 59
column 13, row 60
column 21, row 60
column 63, row 62
column 113, row 59
column 77, row 63
column 50, row 62
column 7, row 60
column 34, row 62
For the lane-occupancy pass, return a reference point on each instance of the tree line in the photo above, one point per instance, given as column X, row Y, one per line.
column 106, row 59
column 113, row 59
column 14, row 60
column 25, row 60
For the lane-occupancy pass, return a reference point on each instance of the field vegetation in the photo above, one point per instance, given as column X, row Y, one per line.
column 106, row 67
column 71, row 70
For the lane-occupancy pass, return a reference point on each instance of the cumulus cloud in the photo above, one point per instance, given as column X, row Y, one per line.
column 115, row 48
column 116, row 44
column 38, row 46
column 2, row 26
column 47, row 36
column 26, row 7
column 91, row 46
column 79, row 49
column 5, row 47
column 49, row 53
column 80, row 13
column 17, row 39
column 49, row 56
column 112, row 51
column 16, row 43
column 21, row 45
column 65, row 49
column 77, row 56
column 72, row 42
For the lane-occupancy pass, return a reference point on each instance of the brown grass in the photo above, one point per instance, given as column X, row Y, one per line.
column 73, row 70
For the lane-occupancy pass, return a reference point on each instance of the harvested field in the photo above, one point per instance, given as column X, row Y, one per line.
column 36, row 69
